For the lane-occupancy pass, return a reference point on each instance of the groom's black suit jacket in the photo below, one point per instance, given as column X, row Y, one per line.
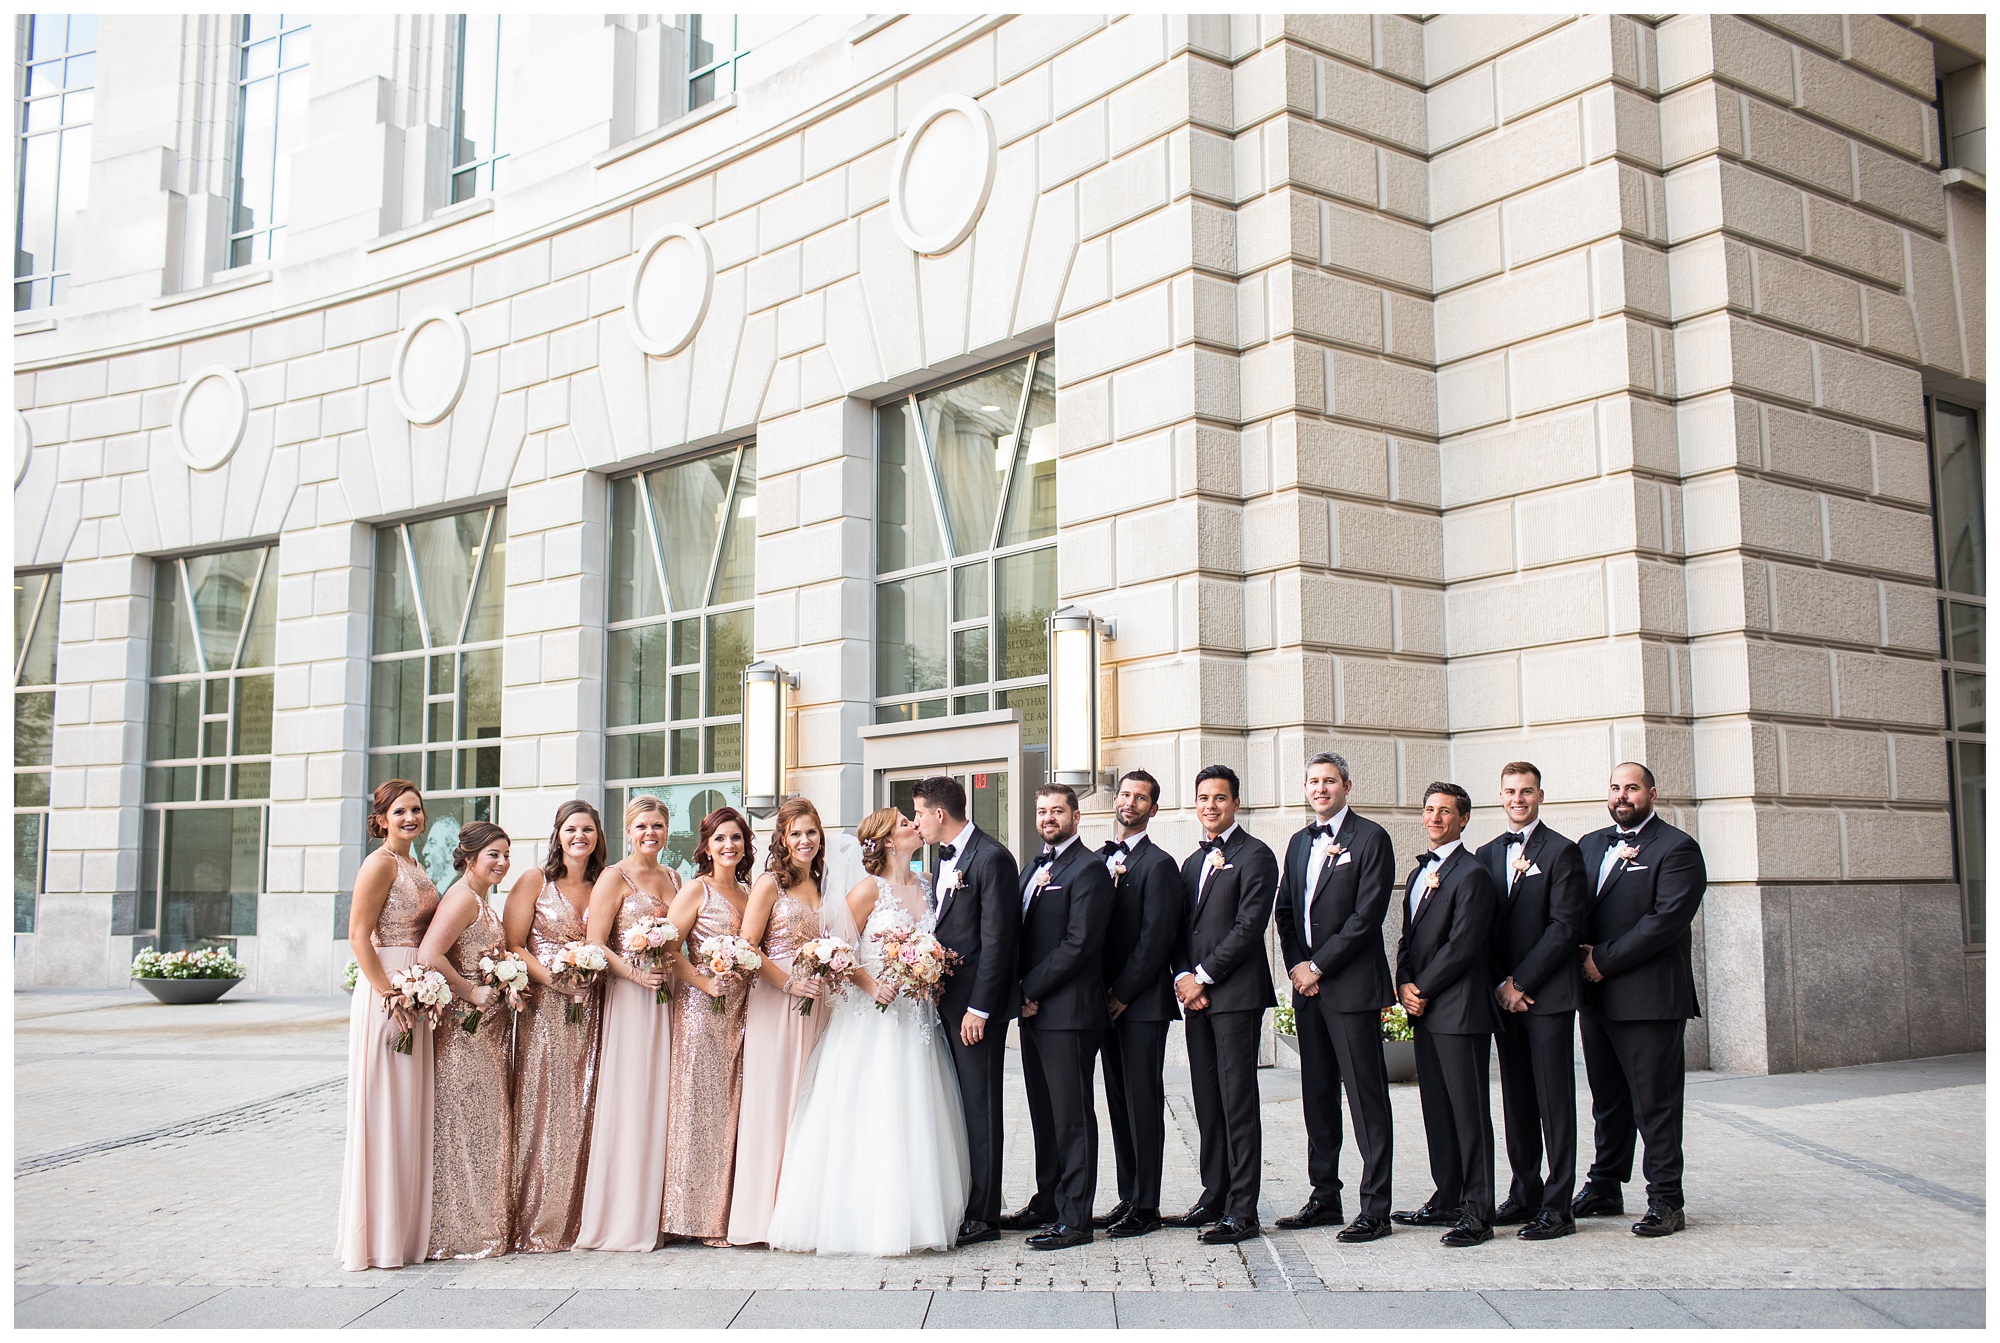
column 981, row 921
column 1062, row 942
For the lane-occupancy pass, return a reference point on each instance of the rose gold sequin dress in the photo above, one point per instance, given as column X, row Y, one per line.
column 628, row 1139
column 385, row 1178
column 777, row 1042
column 707, row 1087
column 472, row 1147
column 555, row 1089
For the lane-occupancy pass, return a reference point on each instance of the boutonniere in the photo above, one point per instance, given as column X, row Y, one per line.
column 1041, row 879
column 1334, row 850
column 1627, row 852
column 1431, row 882
column 1216, row 862
column 1117, row 868
column 953, row 880
column 1521, row 863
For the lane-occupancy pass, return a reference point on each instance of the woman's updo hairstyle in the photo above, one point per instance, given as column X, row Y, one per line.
column 875, row 834
column 385, row 798
column 472, row 840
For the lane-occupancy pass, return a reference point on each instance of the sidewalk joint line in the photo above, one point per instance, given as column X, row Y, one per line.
column 1833, row 1156
column 213, row 1122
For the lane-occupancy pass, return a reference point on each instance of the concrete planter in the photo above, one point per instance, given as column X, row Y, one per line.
column 176, row 992
column 1400, row 1056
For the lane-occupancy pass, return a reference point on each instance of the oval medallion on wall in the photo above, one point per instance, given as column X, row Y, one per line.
column 673, row 279
column 209, row 417
column 943, row 174
column 432, row 360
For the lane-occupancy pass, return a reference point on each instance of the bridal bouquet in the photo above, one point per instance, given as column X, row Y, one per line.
column 724, row 954
column 827, row 959
column 424, row 992
column 914, row 961
column 573, row 968
column 646, row 942
column 507, row 973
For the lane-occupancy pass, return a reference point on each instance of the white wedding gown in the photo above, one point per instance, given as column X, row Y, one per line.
column 876, row 1159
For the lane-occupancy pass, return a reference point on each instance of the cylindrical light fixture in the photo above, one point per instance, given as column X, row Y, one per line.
column 764, row 685
column 1073, row 634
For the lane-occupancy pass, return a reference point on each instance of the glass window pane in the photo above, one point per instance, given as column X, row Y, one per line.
column 636, row 755
column 1961, row 506
column 906, row 532
column 83, row 32
column 709, row 36
column 215, row 738
column 910, row 634
column 736, row 568
column 1027, row 594
column 1968, row 701
column 35, row 246
column 222, row 586
column 295, row 49
column 636, row 673
column 687, row 643
column 38, row 667
column 725, row 748
column 730, row 642
column 215, row 697
column 46, row 36
column 396, row 704
column 635, row 582
column 27, row 869
column 478, row 59
column 685, row 698
column 970, row 427
column 1970, row 789
column 253, row 780
column 213, row 871
column 27, row 594
column 392, row 765
column 1968, row 633
column 253, row 715
column 397, row 629
column 174, row 649
column 968, row 591
column 437, row 771
column 34, row 726
column 173, row 720
column 479, row 767
column 684, row 754
column 909, row 713
column 688, row 504
column 440, row 714
column 31, row 790
column 479, row 695
column 1031, row 498
column 489, row 602
column 968, row 657
column 446, row 551
column 444, row 675
column 969, row 703
column 260, row 641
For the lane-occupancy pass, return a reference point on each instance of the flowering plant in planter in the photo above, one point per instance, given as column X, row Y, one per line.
column 206, row 963
column 1284, row 1021
column 351, row 976
column 1396, row 1024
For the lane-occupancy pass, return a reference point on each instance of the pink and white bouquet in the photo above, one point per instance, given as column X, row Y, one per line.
column 826, row 959
column 725, row 954
column 646, row 943
column 424, row 993
column 573, row 968
column 914, row 961
column 508, row 975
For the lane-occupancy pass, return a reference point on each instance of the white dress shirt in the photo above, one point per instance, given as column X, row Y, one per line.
column 1315, row 865
column 1525, row 835
column 947, row 866
column 1417, row 884
column 1611, row 852
column 1028, row 896
column 1201, row 882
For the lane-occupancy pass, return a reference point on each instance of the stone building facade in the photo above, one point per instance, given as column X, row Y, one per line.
column 473, row 397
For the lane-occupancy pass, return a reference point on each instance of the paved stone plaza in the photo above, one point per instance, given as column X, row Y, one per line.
column 180, row 1166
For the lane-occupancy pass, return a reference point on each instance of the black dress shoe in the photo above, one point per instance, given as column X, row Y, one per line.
column 1137, row 1223
column 1363, row 1228
column 1512, row 1213
column 1201, row 1214
column 1025, row 1219
column 1547, row 1226
column 1230, row 1231
column 1469, row 1231
column 971, row 1232
column 1598, row 1200
column 1660, row 1221
column 1059, row 1238
column 1430, row 1214
column 1317, row 1212
column 1117, row 1214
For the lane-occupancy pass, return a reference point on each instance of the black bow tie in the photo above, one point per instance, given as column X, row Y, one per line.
column 1517, row 837
column 1208, row 845
column 1112, row 846
column 947, row 851
column 1628, row 836
column 1045, row 857
column 1424, row 860
column 1319, row 831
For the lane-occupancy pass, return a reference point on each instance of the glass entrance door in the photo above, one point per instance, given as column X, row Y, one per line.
column 987, row 797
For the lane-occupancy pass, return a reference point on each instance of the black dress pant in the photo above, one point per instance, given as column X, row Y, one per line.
column 1638, row 1078
column 1222, row 1064
column 1056, row 1067
column 1339, row 1049
column 982, row 1070
column 1458, row 1127
column 1135, row 1092
column 1538, row 1095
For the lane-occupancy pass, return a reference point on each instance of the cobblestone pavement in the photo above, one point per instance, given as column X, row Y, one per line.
column 195, row 1152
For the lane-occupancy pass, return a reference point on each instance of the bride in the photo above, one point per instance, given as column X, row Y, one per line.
column 876, row 1159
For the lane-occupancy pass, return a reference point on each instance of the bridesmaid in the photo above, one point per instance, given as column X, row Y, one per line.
column 472, row 1143
column 628, row 1142
column 708, row 1045
column 385, row 1179
column 784, row 914
column 555, row 1059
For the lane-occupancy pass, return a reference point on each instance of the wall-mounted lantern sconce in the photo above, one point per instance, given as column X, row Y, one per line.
column 1073, row 709
column 764, row 686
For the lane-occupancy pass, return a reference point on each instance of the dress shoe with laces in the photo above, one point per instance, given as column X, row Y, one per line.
column 1469, row 1231
column 1117, row 1214
column 1230, row 1231
column 1430, row 1214
column 1364, row 1228
column 1059, row 1237
column 971, row 1232
column 1660, row 1221
column 1547, row 1226
column 1138, row 1222
column 1025, row 1219
column 1512, row 1213
column 1317, row 1212
column 1201, row 1214
column 1597, row 1200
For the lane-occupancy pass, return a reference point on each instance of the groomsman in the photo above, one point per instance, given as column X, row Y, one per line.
column 979, row 917
column 1339, row 873
column 1638, row 964
column 1145, row 923
column 1065, row 905
column 1222, row 977
column 1443, row 968
column 1543, row 901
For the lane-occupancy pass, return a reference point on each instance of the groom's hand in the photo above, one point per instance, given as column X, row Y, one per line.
column 972, row 1029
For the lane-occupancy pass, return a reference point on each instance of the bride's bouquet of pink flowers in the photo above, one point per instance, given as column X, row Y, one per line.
column 646, row 943
column 914, row 961
column 573, row 968
column 506, row 973
column 826, row 959
column 726, row 954
column 424, row 993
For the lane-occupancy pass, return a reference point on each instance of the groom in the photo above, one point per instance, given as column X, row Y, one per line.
column 979, row 917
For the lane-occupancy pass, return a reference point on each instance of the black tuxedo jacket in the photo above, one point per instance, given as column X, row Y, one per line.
column 1638, row 924
column 1145, row 924
column 1348, row 906
column 1541, row 920
column 981, row 921
column 1447, row 948
column 1062, row 942
column 1225, row 923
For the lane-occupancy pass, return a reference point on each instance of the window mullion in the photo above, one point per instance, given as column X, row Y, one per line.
column 931, row 477
column 722, row 528
column 478, row 572
column 1014, row 457
column 34, row 621
column 416, row 595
